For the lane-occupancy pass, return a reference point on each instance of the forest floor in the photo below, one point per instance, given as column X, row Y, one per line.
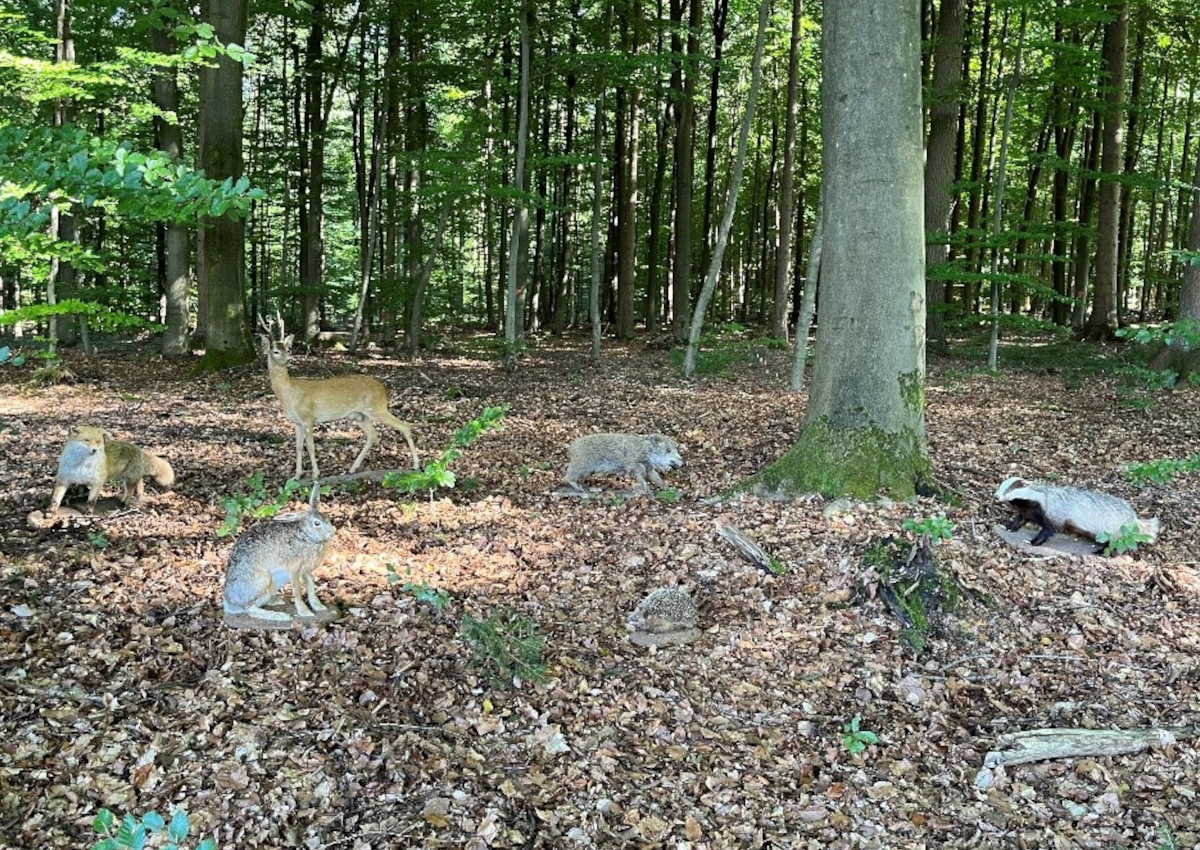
column 120, row 686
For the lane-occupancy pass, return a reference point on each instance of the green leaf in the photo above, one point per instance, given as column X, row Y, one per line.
column 178, row 829
column 103, row 821
column 153, row 821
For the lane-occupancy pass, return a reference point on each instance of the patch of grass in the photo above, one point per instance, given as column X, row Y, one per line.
column 727, row 345
column 506, row 646
column 668, row 494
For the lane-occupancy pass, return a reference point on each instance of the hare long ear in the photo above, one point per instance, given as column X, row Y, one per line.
column 315, row 498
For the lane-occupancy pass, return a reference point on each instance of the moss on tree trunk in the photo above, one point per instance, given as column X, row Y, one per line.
column 862, row 461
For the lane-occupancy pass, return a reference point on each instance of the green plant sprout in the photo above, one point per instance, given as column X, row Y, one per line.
column 254, row 502
column 131, row 834
column 934, row 527
column 854, row 739
column 1125, row 540
column 437, row 472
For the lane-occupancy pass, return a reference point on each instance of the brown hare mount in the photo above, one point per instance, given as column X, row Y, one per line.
column 283, row 550
column 309, row 402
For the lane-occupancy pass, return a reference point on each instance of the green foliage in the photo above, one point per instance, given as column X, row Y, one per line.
column 934, row 527
column 854, row 739
column 506, row 646
column 432, row 596
column 254, row 502
column 98, row 539
column 1162, row 471
column 1125, row 540
column 8, row 358
column 129, row 833
column 437, row 472
column 1166, row 837
column 67, row 169
column 668, row 494
column 1183, row 334
column 727, row 348
column 98, row 316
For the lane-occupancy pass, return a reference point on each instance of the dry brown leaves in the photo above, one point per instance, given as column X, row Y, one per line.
column 120, row 688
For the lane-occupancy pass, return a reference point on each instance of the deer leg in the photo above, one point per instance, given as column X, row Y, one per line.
column 299, row 450
column 312, row 452
column 372, row 435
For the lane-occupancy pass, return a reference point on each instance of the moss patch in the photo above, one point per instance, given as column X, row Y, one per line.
column 215, row 361
column 860, row 462
column 912, row 587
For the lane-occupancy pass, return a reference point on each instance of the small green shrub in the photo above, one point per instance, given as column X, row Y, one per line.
column 437, row 472
column 934, row 527
column 854, row 739
column 435, row 597
column 254, row 502
column 1162, row 471
column 668, row 494
column 98, row 539
column 131, row 834
column 1125, row 540
column 506, row 646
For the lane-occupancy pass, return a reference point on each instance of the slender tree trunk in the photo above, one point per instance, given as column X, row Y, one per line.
column 1178, row 357
column 783, row 252
column 714, row 266
column 627, row 165
column 175, row 235
column 685, row 151
column 939, row 164
column 719, row 20
column 1102, row 323
column 312, row 251
column 1087, row 203
column 808, row 302
column 520, row 222
column 61, row 282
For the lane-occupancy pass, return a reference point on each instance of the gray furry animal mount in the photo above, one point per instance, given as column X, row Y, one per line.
column 278, row 551
column 1057, row 509
column 641, row 455
column 665, row 617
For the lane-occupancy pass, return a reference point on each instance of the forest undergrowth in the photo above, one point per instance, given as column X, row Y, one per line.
column 799, row 719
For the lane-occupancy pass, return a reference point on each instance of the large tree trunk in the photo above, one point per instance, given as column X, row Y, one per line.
column 1087, row 203
column 864, row 428
column 783, row 252
column 1102, row 323
column 939, row 163
column 175, row 235
column 222, row 242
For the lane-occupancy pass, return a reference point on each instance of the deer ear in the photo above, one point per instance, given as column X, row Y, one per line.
column 287, row 340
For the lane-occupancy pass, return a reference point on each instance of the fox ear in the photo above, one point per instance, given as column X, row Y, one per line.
column 108, row 435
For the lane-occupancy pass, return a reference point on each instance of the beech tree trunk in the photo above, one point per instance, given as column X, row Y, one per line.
column 175, row 235
column 222, row 243
column 864, row 427
column 783, row 251
column 1102, row 323
column 685, row 166
column 939, row 163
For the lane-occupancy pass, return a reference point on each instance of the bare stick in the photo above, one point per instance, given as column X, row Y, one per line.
column 749, row 549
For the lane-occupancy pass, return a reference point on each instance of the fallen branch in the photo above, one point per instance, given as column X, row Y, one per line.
column 756, row 554
column 1042, row 744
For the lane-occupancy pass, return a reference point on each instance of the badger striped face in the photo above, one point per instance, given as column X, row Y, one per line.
column 1007, row 491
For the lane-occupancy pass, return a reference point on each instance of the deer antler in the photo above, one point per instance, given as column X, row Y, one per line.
column 268, row 324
